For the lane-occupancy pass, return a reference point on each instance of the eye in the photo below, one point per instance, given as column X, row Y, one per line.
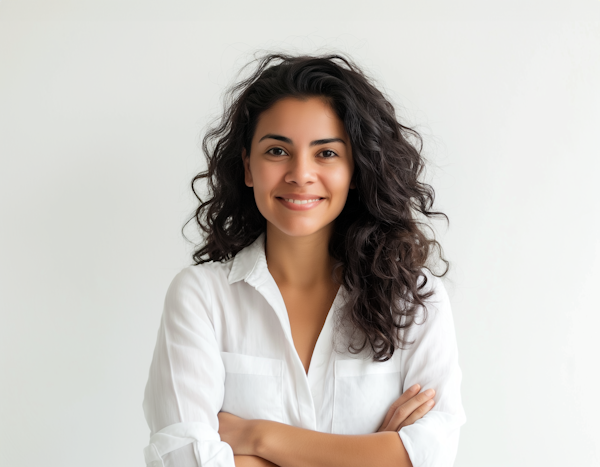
column 328, row 154
column 276, row 152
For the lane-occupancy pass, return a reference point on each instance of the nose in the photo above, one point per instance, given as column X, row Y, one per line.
column 301, row 170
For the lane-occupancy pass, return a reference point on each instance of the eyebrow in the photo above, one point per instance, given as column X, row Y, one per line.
column 316, row 142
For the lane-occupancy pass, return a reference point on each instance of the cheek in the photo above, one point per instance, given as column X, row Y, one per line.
column 265, row 176
column 265, row 179
column 339, row 182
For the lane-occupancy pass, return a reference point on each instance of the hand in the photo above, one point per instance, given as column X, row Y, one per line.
column 408, row 408
column 238, row 432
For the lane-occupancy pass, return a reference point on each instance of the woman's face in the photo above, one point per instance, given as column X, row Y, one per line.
column 300, row 165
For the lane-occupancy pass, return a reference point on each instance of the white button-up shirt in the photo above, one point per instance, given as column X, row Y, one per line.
column 225, row 344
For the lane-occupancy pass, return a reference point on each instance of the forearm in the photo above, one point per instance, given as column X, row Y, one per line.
column 289, row 446
column 252, row 461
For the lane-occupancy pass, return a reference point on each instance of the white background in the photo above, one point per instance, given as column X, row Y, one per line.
column 102, row 107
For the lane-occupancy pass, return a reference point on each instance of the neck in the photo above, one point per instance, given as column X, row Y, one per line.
column 299, row 262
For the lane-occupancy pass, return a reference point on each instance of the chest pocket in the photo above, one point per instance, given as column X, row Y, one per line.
column 364, row 391
column 253, row 386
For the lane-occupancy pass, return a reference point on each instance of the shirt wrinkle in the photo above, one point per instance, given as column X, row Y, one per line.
column 172, row 378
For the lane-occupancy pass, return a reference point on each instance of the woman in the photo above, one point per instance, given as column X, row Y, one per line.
column 309, row 324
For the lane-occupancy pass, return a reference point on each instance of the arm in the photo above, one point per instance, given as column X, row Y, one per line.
column 432, row 361
column 250, row 439
column 185, row 386
column 289, row 446
column 252, row 461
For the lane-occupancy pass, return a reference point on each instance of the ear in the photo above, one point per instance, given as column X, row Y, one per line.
column 247, row 173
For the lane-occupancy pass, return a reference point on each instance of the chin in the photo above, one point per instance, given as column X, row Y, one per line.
column 299, row 230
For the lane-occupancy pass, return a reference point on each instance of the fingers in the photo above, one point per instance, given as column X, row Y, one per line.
column 406, row 395
column 418, row 413
column 411, row 410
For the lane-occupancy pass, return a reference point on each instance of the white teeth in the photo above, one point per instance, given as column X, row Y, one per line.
column 298, row 201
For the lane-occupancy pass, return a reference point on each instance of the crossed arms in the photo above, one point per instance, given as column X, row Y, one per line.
column 263, row 443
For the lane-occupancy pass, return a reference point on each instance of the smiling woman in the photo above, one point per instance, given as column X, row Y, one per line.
column 311, row 320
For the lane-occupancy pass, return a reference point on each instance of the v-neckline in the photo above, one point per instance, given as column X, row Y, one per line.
column 323, row 343
column 324, row 340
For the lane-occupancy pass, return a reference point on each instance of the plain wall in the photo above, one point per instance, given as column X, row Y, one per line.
column 102, row 107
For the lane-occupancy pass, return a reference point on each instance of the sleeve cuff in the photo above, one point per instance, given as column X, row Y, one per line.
column 433, row 440
column 210, row 450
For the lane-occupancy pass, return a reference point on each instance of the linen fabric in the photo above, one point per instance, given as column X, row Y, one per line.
column 225, row 344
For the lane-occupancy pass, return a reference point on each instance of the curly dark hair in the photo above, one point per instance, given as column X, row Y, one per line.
column 378, row 241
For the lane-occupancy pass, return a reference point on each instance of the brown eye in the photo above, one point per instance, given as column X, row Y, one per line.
column 276, row 151
column 328, row 154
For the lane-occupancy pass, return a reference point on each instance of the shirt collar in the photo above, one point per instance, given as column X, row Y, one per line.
column 250, row 263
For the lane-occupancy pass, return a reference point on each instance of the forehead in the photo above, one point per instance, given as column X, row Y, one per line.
column 309, row 118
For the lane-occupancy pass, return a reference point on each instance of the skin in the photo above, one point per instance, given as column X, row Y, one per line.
column 301, row 147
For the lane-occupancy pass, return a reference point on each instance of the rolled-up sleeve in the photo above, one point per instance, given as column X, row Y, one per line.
column 185, row 387
column 432, row 362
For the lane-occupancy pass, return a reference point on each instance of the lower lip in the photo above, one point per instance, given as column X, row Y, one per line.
column 299, row 207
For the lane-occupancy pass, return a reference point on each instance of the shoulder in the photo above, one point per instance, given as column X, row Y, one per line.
column 435, row 285
column 197, row 282
column 437, row 310
column 432, row 329
column 199, row 275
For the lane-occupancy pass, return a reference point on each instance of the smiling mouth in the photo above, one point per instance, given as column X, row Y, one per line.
column 300, row 201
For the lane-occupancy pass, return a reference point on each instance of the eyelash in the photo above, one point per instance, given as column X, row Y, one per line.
column 324, row 150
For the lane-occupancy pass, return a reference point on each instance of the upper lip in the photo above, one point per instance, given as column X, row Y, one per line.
column 298, row 196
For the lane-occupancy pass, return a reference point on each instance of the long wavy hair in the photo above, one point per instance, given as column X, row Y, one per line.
column 380, row 239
